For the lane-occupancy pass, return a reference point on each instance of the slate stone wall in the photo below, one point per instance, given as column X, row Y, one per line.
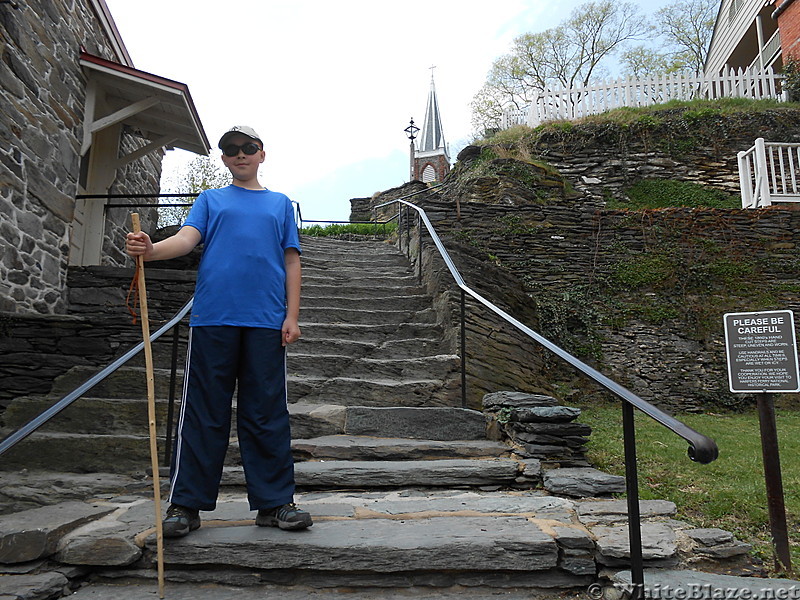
column 42, row 92
column 601, row 159
column 564, row 249
column 36, row 349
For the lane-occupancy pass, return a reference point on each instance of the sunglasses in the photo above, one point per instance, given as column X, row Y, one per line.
column 249, row 148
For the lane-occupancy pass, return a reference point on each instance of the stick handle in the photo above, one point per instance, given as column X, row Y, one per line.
column 151, row 408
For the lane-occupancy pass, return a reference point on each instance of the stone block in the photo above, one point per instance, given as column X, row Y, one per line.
column 658, row 542
column 609, row 511
column 103, row 547
column 548, row 414
column 33, row 587
column 581, row 482
column 417, row 423
column 710, row 536
column 498, row 400
column 35, row 533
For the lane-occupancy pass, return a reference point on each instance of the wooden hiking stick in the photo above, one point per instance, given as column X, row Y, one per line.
column 151, row 408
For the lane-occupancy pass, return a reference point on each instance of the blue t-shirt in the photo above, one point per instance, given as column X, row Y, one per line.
column 241, row 280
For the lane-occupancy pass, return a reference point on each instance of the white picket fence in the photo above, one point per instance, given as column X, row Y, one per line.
column 769, row 172
column 574, row 103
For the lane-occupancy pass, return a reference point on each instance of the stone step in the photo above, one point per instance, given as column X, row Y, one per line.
column 125, row 382
column 429, row 423
column 367, row 332
column 358, row 279
column 414, row 302
column 309, row 344
column 308, row 374
column 99, row 416
column 86, row 453
column 353, row 249
column 376, row 262
column 439, row 540
column 375, row 290
column 388, row 315
column 329, row 259
column 372, row 474
column 330, row 366
column 82, row 453
column 129, row 417
column 350, row 391
column 363, row 448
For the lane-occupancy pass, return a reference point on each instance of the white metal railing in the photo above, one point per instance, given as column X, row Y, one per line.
column 577, row 102
column 769, row 172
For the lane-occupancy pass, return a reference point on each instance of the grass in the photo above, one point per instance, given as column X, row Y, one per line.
column 349, row 229
column 728, row 493
column 644, row 117
column 668, row 193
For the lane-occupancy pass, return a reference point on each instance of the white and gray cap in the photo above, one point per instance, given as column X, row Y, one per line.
column 238, row 130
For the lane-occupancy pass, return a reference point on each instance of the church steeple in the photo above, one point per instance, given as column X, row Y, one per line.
column 431, row 160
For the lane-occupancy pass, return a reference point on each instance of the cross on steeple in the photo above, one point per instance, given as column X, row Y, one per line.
column 432, row 67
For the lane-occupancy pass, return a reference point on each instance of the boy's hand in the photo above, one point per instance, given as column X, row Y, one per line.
column 290, row 332
column 138, row 244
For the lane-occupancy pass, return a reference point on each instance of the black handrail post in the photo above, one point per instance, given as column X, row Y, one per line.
column 419, row 248
column 774, row 481
column 632, row 489
column 400, row 226
column 463, row 350
column 173, row 376
column 408, row 235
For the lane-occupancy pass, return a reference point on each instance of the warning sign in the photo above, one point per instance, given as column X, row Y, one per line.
column 762, row 354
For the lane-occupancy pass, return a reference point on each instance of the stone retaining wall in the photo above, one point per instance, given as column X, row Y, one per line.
column 526, row 257
column 35, row 349
column 601, row 159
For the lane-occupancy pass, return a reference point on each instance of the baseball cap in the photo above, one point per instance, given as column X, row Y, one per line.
column 238, row 130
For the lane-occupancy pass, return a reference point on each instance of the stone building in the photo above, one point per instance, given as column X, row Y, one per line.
column 78, row 121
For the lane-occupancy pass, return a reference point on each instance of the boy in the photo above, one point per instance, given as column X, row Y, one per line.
column 245, row 312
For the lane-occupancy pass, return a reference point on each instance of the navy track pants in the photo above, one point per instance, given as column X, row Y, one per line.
column 218, row 359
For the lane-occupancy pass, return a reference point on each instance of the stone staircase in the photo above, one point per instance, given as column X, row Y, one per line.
column 407, row 490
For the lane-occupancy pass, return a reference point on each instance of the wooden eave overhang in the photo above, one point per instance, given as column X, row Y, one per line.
column 157, row 109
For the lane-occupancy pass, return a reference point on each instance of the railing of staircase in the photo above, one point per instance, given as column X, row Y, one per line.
column 702, row 449
column 20, row 434
column 172, row 325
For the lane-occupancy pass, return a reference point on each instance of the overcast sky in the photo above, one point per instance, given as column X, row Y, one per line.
column 330, row 86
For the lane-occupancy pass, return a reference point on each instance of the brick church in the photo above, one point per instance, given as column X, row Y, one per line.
column 431, row 157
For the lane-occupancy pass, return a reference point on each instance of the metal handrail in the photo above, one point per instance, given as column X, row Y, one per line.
column 701, row 448
column 20, row 434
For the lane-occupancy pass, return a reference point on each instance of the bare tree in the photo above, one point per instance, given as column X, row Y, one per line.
column 687, row 26
column 569, row 55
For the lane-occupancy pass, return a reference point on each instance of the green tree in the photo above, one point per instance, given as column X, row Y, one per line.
column 640, row 62
column 202, row 173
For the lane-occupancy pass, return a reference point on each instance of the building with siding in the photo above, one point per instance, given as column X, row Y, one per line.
column 751, row 35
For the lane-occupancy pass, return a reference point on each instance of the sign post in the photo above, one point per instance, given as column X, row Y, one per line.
column 762, row 359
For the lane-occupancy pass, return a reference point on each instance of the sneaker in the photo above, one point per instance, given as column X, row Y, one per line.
column 180, row 521
column 287, row 516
